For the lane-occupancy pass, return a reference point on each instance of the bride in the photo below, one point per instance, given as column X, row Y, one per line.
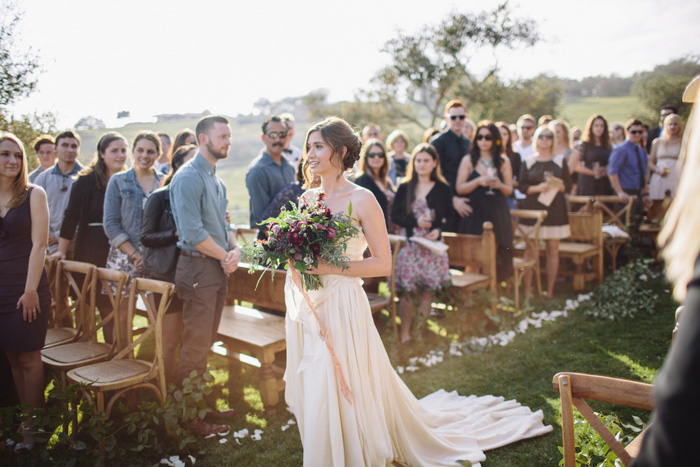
column 379, row 422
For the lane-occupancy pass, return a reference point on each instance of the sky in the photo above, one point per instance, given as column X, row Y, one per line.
column 151, row 57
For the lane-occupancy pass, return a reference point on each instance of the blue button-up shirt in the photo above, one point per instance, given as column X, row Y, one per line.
column 198, row 201
column 625, row 163
column 264, row 179
column 57, row 185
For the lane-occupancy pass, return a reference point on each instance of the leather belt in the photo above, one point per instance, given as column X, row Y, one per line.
column 193, row 254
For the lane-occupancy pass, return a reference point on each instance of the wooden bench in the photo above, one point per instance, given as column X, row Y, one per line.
column 251, row 331
column 477, row 255
column 586, row 241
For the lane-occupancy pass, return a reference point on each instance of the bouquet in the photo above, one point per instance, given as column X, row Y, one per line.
column 303, row 236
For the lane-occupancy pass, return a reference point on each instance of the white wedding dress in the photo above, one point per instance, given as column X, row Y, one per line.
column 385, row 423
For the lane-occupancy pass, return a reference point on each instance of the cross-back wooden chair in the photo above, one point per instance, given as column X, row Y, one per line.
column 581, row 203
column 586, row 241
column 123, row 372
column 60, row 359
column 575, row 388
column 619, row 218
column 524, row 238
column 475, row 253
column 73, row 284
column 50, row 264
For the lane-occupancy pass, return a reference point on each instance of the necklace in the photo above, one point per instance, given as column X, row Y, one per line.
column 486, row 163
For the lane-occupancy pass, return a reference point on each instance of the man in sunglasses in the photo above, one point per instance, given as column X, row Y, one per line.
column 526, row 128
column 57, row 181
column 627, row 169
column 452, row 146
column 270, row 171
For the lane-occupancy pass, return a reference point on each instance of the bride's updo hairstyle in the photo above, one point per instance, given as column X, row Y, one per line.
column 339, row 135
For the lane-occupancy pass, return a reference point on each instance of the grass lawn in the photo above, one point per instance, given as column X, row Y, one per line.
column 629, row 348
column 621, row 109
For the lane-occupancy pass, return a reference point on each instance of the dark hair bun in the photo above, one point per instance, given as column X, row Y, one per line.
column 354, row 146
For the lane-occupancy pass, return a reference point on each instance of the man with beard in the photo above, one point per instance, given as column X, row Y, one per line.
column 269, row 172
column 208, row 250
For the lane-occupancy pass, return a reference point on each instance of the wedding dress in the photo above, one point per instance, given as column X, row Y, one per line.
column 385, row 423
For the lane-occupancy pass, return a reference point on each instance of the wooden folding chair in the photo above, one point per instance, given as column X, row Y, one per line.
column 575, row 388
column 60, row 359
column 69, row 309
column 525, row 238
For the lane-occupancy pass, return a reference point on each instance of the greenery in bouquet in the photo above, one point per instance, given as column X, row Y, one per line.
column 304, row 236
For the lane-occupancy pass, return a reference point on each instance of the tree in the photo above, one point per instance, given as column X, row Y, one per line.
column 433, row 65
column 664, row 86
column 90, row 123
column 17, row 68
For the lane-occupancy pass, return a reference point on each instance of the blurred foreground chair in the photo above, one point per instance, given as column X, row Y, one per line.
column 573, row 388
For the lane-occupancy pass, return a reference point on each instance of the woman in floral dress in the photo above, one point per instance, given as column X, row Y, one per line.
column 421, row 208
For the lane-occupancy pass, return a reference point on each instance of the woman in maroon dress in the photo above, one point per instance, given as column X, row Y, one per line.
column 25, row 299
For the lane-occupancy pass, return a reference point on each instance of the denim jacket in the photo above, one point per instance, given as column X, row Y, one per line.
column 124, row 201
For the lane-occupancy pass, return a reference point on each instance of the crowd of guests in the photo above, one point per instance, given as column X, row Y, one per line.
column 164, row 216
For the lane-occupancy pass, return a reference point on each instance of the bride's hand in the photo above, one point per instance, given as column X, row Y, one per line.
column 321, row 269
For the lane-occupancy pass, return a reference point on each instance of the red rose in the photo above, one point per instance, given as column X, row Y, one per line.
column 295, row 237
column 315, row 249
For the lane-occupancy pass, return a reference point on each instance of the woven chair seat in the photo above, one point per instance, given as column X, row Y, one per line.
column 75, row 353
column 114, row 371
column 577, row 248
column 55, row 336
column 377, row 301
column 523, row 263
column 467, row 279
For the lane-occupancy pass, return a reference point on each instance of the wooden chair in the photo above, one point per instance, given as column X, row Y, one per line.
column 586, row 241
column 378, row 302
column 60, row 359
column 618, row 217
column 652, row 223
column 66, row 324
column 254, row 332
column 524, row 238
column 575, row 388
column 475, row 253
column 50, row 267
column 123, row 372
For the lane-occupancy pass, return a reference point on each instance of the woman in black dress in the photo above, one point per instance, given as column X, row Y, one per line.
column 85, row 210
column 590, row 158
column 535, row 175
column 25, row 298
column 487, row 178
column 374, row 165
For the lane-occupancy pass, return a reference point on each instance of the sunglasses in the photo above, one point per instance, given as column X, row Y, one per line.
column 455, row 117
column 636, row 132
column 546, row 137
column 372, row 155
column 486, row 137
column 277, row 134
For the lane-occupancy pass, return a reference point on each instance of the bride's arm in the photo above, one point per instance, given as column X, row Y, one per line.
column 366, row 209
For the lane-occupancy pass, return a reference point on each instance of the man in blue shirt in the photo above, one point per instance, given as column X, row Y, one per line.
column 627, row 169
column 209, row 252
column 269, row 172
